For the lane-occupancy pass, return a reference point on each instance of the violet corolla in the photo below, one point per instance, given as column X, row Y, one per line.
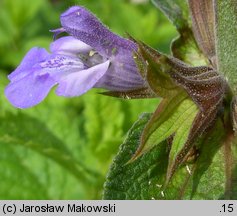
column 90, row 57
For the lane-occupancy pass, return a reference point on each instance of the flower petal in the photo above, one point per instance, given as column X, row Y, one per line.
column 75, row 84
column 34, row 56
column 29, row 91
column 83, row 25
column 122, row 75
column 69, row 46
column 58, row 65
column 31, row 86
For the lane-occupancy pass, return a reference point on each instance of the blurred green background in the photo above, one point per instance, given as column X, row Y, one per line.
column 62, row 148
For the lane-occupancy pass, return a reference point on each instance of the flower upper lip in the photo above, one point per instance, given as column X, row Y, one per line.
column 74, row 9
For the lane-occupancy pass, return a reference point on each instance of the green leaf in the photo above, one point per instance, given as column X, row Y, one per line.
column 35, row 140
column 184, row 47
column 145, row 177
column 102, row 137
column 22, row 11
column 232, row 193
column 168, row 119
column 226, row 20
column 207, row 165
column 17, row 180
column 188, row 112
column 21, row 133
column 175, row 10
column 131, row 181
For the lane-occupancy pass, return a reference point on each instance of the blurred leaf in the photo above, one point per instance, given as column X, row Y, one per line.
column 17, row 180
column 25, row 132
column 7, row 30
column 21, row 22
column 37, row 42
column 175, row 10
column 184, row 47
column 103, row 137
column 21, row 10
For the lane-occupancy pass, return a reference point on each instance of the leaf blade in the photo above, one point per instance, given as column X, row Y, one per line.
column 226, row 47
column 145, row 178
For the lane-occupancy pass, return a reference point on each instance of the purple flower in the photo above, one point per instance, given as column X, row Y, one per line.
column 92, row 57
